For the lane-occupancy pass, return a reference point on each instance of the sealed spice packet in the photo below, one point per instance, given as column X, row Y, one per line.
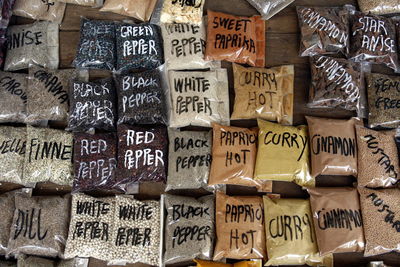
column 379, row 7
column 269, row 8
column 171, row 11
column 138, row 9
column 13, row 97
column 40, row 10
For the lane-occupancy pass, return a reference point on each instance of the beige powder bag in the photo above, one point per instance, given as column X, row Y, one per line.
column 240, row 227
column 51, row 10
column 337, row 219
column 139, row 9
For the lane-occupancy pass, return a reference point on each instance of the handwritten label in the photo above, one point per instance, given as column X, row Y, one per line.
column 385, row 208
column 40, row 150
column 29, row 224
column 13, row 145
column 339, row 218
column 291, row 227
column 52, row 84
column 24, row 38
column 335, row 145
column 380, row 42
column 288, row 140
column 12, row 86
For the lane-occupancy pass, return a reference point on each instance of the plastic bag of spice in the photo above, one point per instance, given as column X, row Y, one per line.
column 269, row 8
column 35, row 43
column 48, row 156
column 52, row 10
column 92, row 106
column 142, row 97
column 189, row 159
column 199, row 98
column 335, row 83
column 13, row 97
column 91, row 227
column 250, row 263
column 30, row 261
column 142, row 155
column 96, row 49
column 189, row 228
column 138, row 9
column 234, row 153
column 242, row 40
column 269, row 97
column 333, row 146
column 91, row 3
column 286, row 149
column 171, row 11
column 239, row 227
column 75, row 262
column 40, row 225
column 12, row 154
column 95, row 161
column 378, row 161
column 284, row 219
column 185, row 45
column 137, row 231
column 379, row 7
column 383, row 94
column 380, row 213
column 373, row 39
column 48, row 93
column 7, row 208
column 337, row 219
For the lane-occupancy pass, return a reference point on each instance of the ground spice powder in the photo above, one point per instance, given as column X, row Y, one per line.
column 40, row 9
column 139, row 9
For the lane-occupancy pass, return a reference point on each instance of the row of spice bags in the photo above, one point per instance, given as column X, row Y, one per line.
column 33, row 261
column 178, row 229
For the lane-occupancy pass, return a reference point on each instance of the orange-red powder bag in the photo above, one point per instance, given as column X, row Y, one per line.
column 236, row 39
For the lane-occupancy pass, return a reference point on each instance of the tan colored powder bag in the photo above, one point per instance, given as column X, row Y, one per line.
column 139, row 9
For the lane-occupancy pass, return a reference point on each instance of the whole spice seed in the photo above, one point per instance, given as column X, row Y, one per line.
column 373, row 39
column 139, row 9
column 269, row 8
column 92, row 106
column 381, row 215
column 7, row 208
column 13, row 97
column 378, row 162
column 139, row 46
column 379, row 7
column 48, row 156
column 189, row 228
column 189, row 159
column 94, row 161
column 141, row 98
column 182, row 11
column 35, row 43
column 142, row 155
column 324, row 30
column 48, row 94
column 96, row 49
column 30, row 261
column 40, row 225
column 335, row 82
column 383, row 100
column 91, row 227
column 12, row 153
column 40, row 9
column 199, row 98
column 143, row 219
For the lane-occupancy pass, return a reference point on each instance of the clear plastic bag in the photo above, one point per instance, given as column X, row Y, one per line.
column 12, row 154
column 40, row 10
column 95, row 161
column 142, row 155
column 48, row 156
column 242, row 43
column 134, row 218
column 239, row 236
column 269, row 97
column 337, row 219
column 40, row 225
column 170, row 11
column 383, row 95
column 91, row 228
column 138, row 9
column 234, row 153
column 373, row 39
column 189, row 159
column 7, row 208
column 142, row 97
column 92, row 106
column 13, row 97
column 96, row 49
column 184, row 46
column 379, row 7
column 91, row 3
column 287, row 160
column 48, row 93
column 39, row 46
column 138, row 46
column 189, row 228
column 333, row 146
column 324, row 30
column 199, row 98
column 76, row 262
column 269, row 8
column 380, row 210
column 378, row 161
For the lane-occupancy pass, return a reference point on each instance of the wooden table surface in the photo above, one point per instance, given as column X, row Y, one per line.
column 282, row 44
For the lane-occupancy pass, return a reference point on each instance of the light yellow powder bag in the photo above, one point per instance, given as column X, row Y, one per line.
column 283, row 153
column 251, row 263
